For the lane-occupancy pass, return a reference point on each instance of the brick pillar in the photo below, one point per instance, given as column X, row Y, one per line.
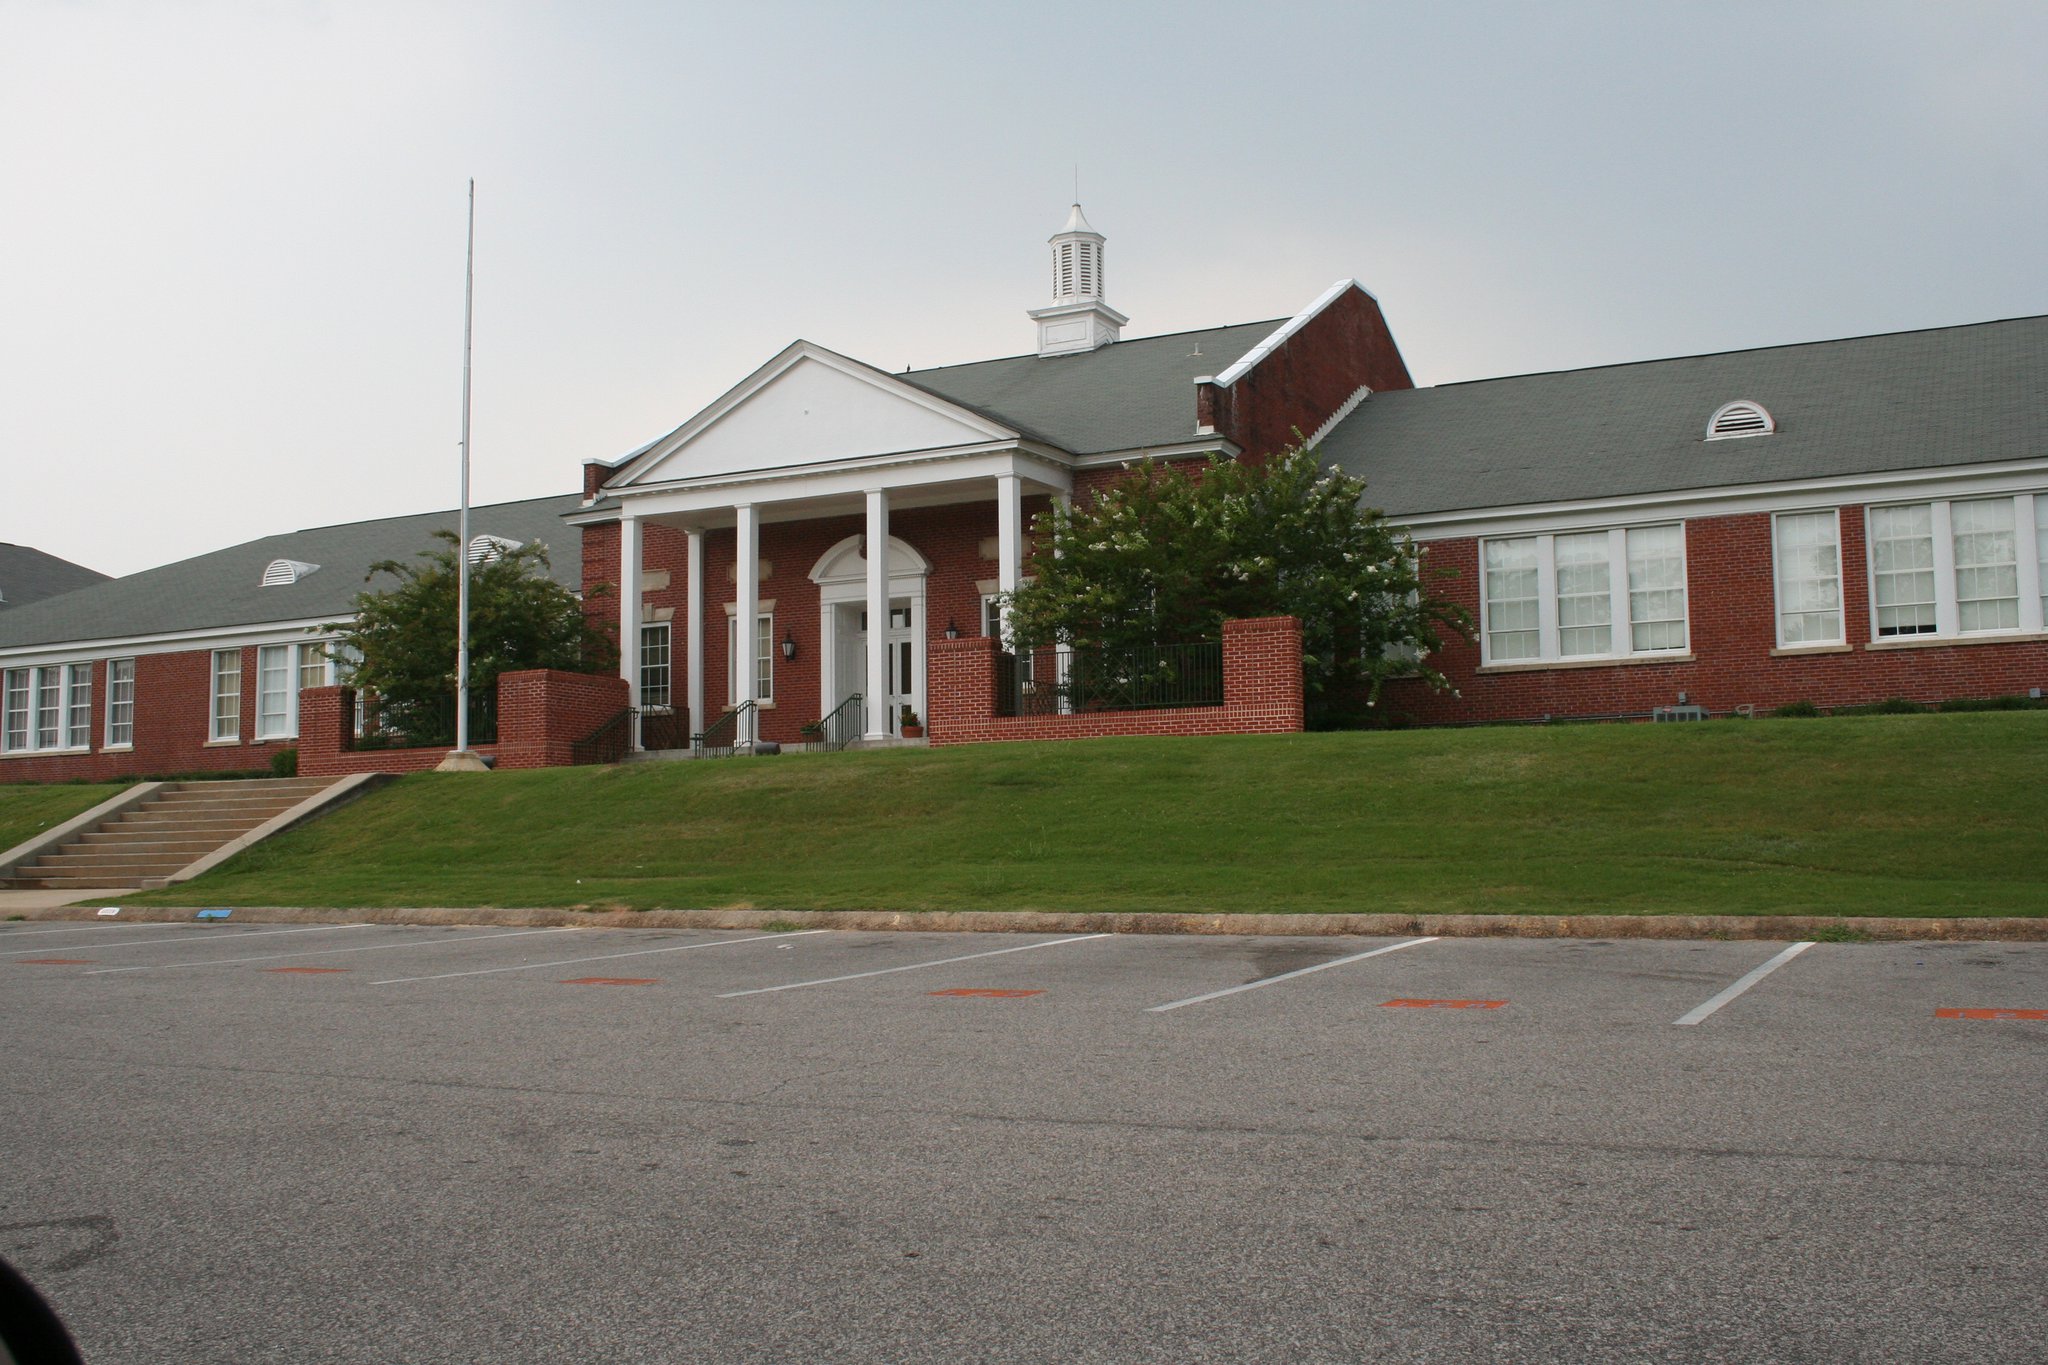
column 960, row 687
column 1262, row 671
column 543, row 713
column 327, row 729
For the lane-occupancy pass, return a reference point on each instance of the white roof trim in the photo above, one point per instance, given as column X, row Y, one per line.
column 1344, row 410
column 1286, row 330
column 169, row 642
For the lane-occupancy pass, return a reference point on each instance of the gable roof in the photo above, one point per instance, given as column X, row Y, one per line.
column 222, row 589
column 1123, row 396
column 1947, row 396
column 29, row 575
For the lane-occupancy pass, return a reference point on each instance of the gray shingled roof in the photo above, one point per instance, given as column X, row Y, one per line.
column 223, row 588
column 1907, row 400
column 29, row 575
column 1118, row 397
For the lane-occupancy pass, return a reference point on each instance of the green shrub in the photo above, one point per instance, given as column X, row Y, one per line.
column 1797, row 709
column 285, row 763
column 1890, row 706
column 2006, row 703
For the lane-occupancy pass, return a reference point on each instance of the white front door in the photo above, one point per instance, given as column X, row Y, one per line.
column 905, row 687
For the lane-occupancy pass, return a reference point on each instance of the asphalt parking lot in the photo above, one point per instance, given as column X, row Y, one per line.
column 372, row 1143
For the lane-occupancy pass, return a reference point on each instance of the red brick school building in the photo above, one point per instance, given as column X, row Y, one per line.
column 826, row 548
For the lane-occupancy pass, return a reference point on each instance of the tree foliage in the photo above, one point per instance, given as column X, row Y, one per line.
column 519, row 617
column 1167, row 554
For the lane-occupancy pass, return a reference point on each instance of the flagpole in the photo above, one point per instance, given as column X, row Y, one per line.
column 462, row 760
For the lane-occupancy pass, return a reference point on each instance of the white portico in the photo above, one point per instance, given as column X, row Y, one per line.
column 814, row 436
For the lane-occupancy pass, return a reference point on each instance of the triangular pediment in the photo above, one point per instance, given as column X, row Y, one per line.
column 809, row 406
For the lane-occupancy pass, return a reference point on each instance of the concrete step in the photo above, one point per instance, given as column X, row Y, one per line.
column 142, row 841
column 227, row 826
column 126, row 862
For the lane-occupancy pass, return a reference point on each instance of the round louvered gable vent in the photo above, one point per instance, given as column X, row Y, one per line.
column 485, row 549
column 281, row 573
column 1740, row 418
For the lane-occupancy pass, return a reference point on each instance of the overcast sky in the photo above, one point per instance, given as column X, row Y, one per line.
column 231, row 235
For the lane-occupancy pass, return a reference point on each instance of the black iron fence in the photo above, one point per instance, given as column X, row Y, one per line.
column 427, row 723
column 1064, row 681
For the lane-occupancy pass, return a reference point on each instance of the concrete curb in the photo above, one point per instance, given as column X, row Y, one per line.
column 1771, row 927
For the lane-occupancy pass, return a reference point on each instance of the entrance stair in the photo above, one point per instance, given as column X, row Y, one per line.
column 153, row 840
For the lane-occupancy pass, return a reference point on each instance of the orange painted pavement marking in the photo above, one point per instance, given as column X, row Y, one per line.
column 1442, row 1004
column 988, row 994
column 609, row 981
column 306, row 971
column 1990, row 1014
column 53, row 961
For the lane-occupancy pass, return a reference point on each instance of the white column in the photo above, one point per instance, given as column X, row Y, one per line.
column 748, row 598
column 1009, row 543
column 693, row 629
column 878, row 614
column 629, row 618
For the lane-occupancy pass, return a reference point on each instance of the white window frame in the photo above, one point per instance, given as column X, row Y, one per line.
column 224, row 722
column 651, row 631
column 2031, row 572
column 991, row 606
column 120, row 718
column 764, row 659
column 1841, row 635
column 62, row 691
column 1621, row 633
column 277, row 709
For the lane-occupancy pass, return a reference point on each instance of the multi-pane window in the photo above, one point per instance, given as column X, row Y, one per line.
column 1656, row 588
column 655, row 676
column 49, row 707
column 1971, row 566
column 1987, row 565
column 227, row 694
column 1902, row 569
column 2041, row 549
column 14, row 695
column 120, row 702
column 992, row 626
column 312, row 666
column 274, row 691
column 1513, row 615
column 1587, row 595
column 1807, row 548
column 763, row 661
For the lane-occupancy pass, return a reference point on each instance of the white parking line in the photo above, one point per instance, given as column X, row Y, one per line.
column 602, row 957
column 327, row 952
column 1696, row 1015
column 73, row 929
column 193, row 935
column 1289, row 976
column 910, row 967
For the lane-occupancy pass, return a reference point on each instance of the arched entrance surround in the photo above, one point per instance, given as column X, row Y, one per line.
column 841, row 574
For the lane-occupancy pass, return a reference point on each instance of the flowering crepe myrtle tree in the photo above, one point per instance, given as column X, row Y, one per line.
column 405, row 636
column 1167, row 554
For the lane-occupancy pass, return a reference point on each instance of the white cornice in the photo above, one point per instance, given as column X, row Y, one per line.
column 1214, row 445
column 783, row 361
column 2011, row 476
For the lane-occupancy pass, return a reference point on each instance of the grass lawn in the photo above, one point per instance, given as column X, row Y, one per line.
column 1884, row 815
column 27, row 811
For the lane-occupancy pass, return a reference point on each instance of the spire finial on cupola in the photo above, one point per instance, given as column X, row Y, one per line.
column 1078, row 319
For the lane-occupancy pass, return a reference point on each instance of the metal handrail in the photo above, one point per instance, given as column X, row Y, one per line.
column 841, row 726
column 721, row 737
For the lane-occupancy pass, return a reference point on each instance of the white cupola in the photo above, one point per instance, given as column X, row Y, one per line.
column 1078, row 320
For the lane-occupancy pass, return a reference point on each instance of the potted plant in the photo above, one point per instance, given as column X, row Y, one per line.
column 908, row 725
